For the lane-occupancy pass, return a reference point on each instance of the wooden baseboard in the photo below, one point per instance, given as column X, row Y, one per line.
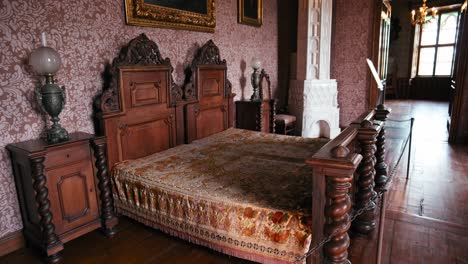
column 11, row 242
column 428, row 222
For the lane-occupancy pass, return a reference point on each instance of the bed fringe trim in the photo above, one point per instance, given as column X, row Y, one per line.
column 225, row 249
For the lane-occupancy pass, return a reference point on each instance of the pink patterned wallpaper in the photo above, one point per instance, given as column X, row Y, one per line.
column 88, row 34
column 351, row 45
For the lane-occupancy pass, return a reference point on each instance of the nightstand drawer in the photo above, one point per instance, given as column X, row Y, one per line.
column 61, row 156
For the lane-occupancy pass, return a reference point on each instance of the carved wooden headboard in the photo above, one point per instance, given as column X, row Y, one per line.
column 209, row 108
column 137, row 110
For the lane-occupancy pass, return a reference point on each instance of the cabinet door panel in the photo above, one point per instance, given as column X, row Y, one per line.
column 72, row 195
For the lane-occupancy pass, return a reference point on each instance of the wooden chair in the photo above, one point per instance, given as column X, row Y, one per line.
column 284, row 123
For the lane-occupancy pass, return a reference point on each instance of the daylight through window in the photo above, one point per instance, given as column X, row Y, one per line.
column 437, row 45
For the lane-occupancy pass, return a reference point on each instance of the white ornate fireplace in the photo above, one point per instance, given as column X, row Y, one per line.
column 312, row 94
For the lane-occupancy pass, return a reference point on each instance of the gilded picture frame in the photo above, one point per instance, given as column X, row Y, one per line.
column 250, row 12
column 196, row 15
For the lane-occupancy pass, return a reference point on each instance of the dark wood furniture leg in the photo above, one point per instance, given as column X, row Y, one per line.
column 365, row 223
column 259, row 117
column 52, row 244
column 381, row 167
column 338, row 219
column 333, row 171
column 108, row 218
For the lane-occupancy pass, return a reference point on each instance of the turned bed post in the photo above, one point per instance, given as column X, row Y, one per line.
column 333, row 169
column 381, row 173
column 108, row 218
column 367, row 139
column 52, row 243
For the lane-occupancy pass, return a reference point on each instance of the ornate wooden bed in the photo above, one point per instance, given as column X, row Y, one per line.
column 142, row 112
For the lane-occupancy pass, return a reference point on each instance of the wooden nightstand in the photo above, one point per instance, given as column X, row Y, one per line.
column 257, row 115
column 64, row 190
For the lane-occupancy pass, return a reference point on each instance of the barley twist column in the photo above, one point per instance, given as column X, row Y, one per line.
column 367, row 135
column 381, row 167
column 108, row 218
column 258, row 117
column 52, row 244
column 337, row 212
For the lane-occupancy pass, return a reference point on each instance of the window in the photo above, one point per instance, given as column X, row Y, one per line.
column 437, row 45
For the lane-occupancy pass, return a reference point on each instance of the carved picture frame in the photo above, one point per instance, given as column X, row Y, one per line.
column 182, row 14
column 250, row 12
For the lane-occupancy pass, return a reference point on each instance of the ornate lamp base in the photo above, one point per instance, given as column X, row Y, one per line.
column 255, row 80
column 56, row 133
column 51, row 98
column 255, row 96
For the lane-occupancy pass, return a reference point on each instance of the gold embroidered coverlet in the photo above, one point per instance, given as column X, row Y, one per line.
column 243, row 193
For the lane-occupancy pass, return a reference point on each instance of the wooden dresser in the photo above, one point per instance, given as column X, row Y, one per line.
column 63, row 189
column 256, row 115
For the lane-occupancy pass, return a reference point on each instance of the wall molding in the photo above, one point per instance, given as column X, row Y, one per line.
column 11, row 242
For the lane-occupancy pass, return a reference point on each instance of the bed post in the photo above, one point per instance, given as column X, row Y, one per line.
column 108, row 218
column 333, row 170
column 367, row 138
column 381, row 114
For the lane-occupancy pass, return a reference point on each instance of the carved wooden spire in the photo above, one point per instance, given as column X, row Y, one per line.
column 381, row 177
column 208, row 54
column 139, row 51
column 367, row 135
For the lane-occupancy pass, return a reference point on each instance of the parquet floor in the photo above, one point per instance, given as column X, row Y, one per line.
column 426, row 218
column 427, row 215
column 438, row 183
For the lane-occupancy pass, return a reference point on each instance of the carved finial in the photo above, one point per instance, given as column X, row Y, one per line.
column 340, row 152
column 208, row 54
column 382, row 112
column 139, row 51
column 366, row 124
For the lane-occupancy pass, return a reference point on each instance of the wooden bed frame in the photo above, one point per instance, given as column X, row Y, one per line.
column 142, row 111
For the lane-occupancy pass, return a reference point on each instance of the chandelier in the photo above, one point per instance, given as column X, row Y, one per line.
column 420, row 16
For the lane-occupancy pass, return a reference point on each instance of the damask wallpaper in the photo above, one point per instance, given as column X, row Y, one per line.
column 351, row 45
column 88, row 35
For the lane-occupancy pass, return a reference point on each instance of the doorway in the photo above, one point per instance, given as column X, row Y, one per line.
column 422, row 58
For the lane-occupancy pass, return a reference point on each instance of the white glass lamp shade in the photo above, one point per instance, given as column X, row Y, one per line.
column 256, row 63
column 45, row 60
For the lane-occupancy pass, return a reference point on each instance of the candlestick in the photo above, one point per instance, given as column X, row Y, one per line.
column 44, row 41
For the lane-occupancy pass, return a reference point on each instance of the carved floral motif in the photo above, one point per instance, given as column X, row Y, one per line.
column 208, row 54
column 140, row 51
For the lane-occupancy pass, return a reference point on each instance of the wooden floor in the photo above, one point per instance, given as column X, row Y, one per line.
column 438, row 184
column 426, row 217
